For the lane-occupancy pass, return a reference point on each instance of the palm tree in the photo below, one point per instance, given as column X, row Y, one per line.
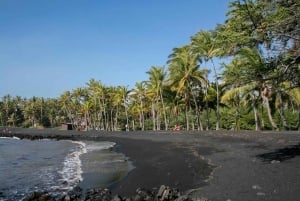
column 92, row 88
column 294, row 94
column 204, row 45
column 29, row 111
column 256, row 69
column 234, row 76
column 53, row 111
column 185, row 78
column 6, row 107
column 252, row 95
column 155, row 85
column 99, row 92
column 232, row 97
column 65, row 104
column 139, row 93
column 121, row 97
column 286, row 96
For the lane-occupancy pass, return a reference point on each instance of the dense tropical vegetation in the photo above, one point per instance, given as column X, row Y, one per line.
column 257, row 88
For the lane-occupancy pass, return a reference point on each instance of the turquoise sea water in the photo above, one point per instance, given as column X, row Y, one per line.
column 57, row 166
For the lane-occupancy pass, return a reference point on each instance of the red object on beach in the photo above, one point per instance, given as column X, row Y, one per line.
column 177, row 128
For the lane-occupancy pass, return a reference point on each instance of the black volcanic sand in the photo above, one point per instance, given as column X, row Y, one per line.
column 218, row 165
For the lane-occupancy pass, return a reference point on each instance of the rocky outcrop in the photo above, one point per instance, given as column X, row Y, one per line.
column 164, row 193
column 39, row 196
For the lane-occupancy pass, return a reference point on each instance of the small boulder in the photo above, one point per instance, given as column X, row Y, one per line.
column 39, row 196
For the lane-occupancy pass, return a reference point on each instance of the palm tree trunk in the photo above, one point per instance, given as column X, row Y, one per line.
column 218, row 97
column 127, row 120
column 112, row 120
column 256, row 116
column 140, row 120
column 199, row 122
column 116, row 118
column 158, row 119
column 267, row 104
column 86, row 121
column 207, row 117
column 281, row 112
column 133, row 125
column 164, row 111
column 142, row 117
column 198, row 114
column 207, row 110
column 298, row 117
column 153, row 116
column 187, row 118
column 104, row 115
column 104, row 120
column 236, row 120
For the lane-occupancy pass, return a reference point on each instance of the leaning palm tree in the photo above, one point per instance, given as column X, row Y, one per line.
column 295, row 97
column 185, row 78
column 204, row 45
column 287, row 95
column 249, row 68
column 242, row 96
column 237, row 81
column 255, row 69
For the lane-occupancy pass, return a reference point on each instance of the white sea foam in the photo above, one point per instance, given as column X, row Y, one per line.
column 54, row 166
column 72, row 173
column 14, row 137
column 95, row 146
column 72, row 166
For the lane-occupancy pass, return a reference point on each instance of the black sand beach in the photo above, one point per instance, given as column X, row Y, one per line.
column 217, row 165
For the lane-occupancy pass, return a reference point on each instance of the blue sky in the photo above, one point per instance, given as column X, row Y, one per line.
column 50, row 46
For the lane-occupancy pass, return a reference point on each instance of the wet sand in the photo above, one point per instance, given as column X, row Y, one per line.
column 217, row 165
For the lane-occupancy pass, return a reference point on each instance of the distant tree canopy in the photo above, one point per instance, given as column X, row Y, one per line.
column 257, row 88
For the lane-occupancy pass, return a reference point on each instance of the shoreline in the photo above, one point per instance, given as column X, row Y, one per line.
column 219, row 165
column 157, row 162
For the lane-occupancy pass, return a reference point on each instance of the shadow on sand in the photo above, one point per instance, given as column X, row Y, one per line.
column 281, row 154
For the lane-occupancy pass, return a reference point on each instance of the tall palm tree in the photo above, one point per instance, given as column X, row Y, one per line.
column 255, row 69
column 92, row 88
column 100, row 95
column 65, row 100
column 139, row 94
column 185, row 78
column 122, row 98
column 30, row 111
column 53, row 111
column 155, row 85
column 235, row 77
column 204, row 45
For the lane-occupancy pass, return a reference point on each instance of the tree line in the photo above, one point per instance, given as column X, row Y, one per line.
column 258, row 88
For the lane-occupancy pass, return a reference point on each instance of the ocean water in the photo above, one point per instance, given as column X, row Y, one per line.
column 57, row 166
